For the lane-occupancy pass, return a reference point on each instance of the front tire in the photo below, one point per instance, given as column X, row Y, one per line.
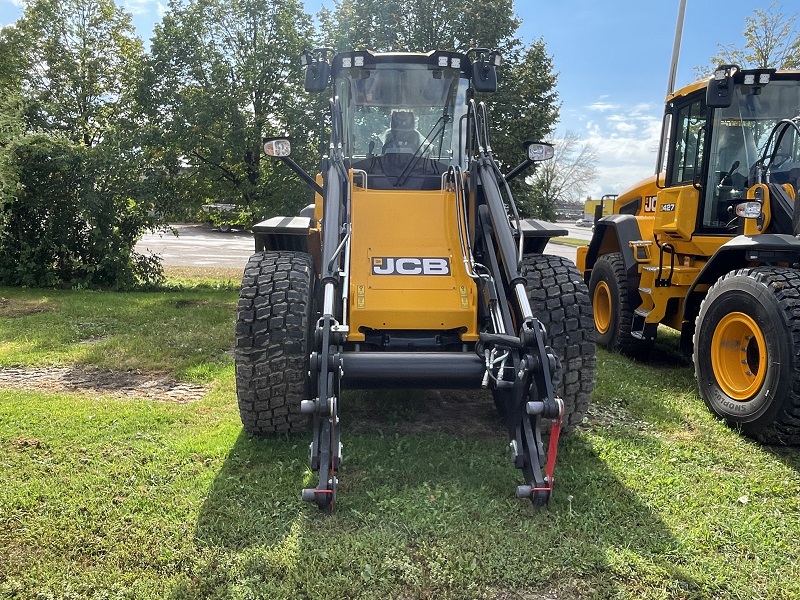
column 560, row 301
column 747, row 352
column 272, row 342
column 613, row 312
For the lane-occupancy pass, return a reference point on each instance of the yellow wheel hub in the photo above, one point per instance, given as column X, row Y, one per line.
column 602, row 306
column 739, row 356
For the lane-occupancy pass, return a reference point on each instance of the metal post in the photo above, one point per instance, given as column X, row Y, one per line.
column 676, row 48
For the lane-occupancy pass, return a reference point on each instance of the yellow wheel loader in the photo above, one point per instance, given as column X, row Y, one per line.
column 412, row 269
column 709, row 247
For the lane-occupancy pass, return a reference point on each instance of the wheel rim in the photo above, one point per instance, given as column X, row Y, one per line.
column 739, row 356
column 601, row 304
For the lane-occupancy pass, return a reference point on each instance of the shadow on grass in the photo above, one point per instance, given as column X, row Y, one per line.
column 788, row 455
column 426, row 512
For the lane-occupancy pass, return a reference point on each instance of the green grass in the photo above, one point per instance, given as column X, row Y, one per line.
column 184, row 332
column 108, row 498
column 568, row 241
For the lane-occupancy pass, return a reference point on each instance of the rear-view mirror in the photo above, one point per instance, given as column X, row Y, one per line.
column 719, row 93
column 539, row 151
column 278, row 147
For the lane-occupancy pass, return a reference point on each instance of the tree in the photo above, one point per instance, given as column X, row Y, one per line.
column 71, row 210
column 222, row 76
column 391, row 25
column 771, row 40
column 76, row 61
column 564, row 178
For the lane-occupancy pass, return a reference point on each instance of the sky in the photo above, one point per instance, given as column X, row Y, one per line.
column 613, row 60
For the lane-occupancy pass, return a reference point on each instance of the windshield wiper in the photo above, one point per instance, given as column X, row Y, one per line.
column 440, row 124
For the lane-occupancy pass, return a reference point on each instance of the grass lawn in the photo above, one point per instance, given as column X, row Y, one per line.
column 110, row 497
column 569, row 241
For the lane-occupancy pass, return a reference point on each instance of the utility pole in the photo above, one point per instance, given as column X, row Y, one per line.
column 676, row 48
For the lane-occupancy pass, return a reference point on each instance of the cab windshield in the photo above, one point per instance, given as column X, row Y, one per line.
column 739, row 134
column 401, row 122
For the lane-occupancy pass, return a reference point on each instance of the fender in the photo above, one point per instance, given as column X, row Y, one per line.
column 738, row 253
column 537, row 234
column 612, row 234
column 282, row 233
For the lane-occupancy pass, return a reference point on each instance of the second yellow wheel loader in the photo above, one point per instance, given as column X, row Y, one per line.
column 709, row 247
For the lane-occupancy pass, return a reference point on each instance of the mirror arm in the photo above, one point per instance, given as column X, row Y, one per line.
column 518, row 169
column 310, row 181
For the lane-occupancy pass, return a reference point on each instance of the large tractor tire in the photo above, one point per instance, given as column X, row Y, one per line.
column 273, row 328
column 747, row 352
column 560, row 300
column 613, row 312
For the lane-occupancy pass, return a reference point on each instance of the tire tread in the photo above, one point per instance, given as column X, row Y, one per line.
column 271, row 341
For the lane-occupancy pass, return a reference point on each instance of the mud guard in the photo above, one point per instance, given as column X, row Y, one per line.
column 740, row 252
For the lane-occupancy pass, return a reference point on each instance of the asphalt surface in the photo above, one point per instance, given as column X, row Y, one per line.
column 199, row 246
column 202, row 246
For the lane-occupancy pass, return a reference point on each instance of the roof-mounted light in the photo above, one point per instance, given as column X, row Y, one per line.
column 455, row 63
column 347, row 62
column 763, row 78
column 720, row 74
column 749, row 79
column 358, row 61
column 442, row 61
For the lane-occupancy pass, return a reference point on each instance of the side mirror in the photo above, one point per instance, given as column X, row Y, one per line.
column 539, row 151
column 318, row 70
column 720, row 88
column 484, row 70
column 278, row 147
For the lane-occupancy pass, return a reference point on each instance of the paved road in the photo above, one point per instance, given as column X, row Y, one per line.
column 201, row 246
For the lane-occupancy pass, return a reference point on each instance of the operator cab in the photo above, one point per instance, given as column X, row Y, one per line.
column 736, row 134
column 402, row 116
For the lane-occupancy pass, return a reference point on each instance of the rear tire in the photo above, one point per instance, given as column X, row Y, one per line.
column 613, row 313
column 272, row 337
column 559, row 299
column 747, row 352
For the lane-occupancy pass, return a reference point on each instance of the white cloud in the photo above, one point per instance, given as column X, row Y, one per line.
column 162, row 10
column 139, row 7
column 626, row 142
column 602, row 106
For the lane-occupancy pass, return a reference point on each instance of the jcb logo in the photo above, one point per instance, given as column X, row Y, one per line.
column 410, row 266
column 650, row 203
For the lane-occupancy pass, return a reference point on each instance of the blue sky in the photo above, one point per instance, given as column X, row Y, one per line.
column 613, row 61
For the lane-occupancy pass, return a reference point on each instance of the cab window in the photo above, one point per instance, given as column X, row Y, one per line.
column 687, row 151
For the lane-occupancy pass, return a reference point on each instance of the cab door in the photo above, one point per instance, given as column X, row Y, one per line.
column 678, row 202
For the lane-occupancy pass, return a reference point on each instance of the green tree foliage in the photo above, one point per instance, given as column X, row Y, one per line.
column 222, row 76
column 420, row 25
column 771, row 40
column 71, row 208
column 76, row 60
column 71, row 221
column 525, row 107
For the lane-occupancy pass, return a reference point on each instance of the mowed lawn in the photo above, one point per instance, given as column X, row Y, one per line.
column 110, row 492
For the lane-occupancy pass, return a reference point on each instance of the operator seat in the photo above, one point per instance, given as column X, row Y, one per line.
column 402, row 137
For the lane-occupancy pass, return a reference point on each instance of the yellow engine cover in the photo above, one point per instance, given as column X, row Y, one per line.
column 406, row 266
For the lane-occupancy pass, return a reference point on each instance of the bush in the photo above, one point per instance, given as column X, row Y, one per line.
column 74, row 218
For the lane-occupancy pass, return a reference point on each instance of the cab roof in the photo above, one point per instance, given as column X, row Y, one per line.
column 368, row 59
column 738, row 78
